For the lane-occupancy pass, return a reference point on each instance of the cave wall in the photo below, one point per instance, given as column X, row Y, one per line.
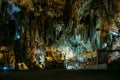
column 73, row 27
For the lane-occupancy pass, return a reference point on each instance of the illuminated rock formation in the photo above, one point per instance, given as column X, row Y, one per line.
column 71, row 27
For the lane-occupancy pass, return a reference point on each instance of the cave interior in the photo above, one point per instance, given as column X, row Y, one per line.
column 60, row 34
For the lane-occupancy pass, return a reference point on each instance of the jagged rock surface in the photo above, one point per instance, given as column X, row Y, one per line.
column 72, row 27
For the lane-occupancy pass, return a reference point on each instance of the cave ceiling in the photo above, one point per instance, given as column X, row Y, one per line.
column 69, row 15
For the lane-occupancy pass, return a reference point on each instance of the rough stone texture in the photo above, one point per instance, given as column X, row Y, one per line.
column 73, row 27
